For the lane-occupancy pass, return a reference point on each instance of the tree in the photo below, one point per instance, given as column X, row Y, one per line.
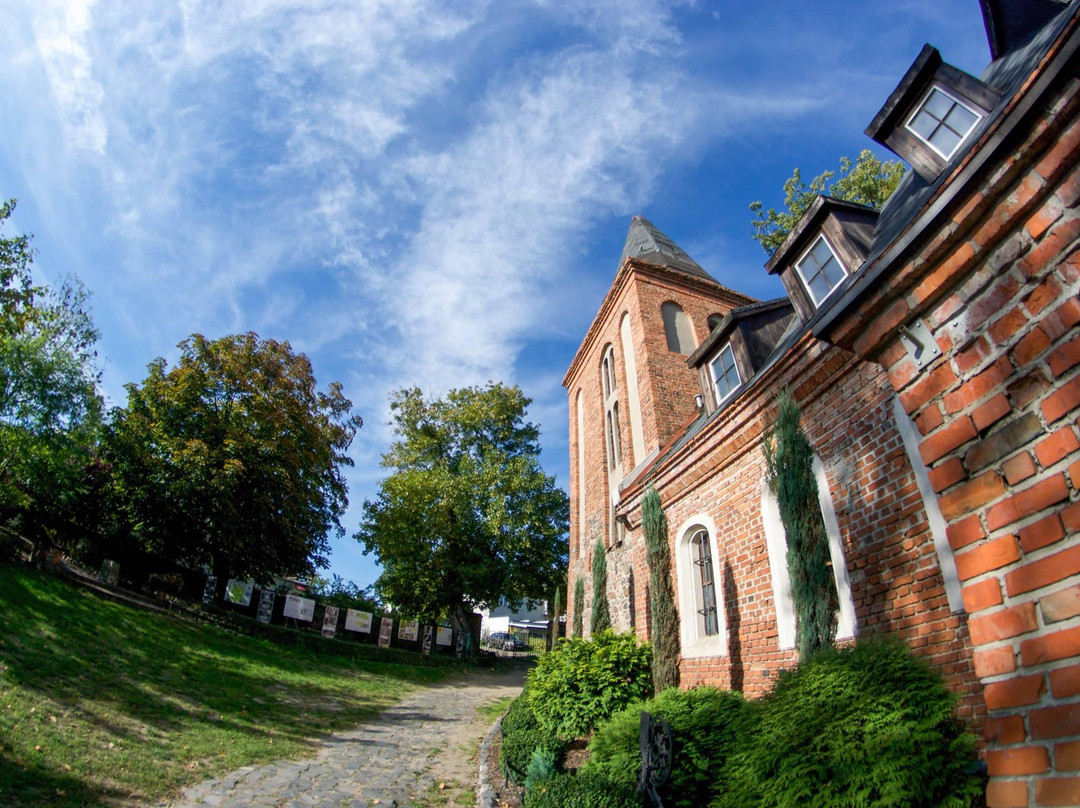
column 789, row 460
column 50, row 410
column 601, row 616
column 579, row 606
column 556, row 612
column 467, row 515
column 664, row 625
column 234, row 459
column 868, row 182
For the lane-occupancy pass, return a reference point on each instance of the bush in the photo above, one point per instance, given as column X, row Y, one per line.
column 541, row 768
column 703, row 725
column 581, row 791
column 869, row 725
column 521, row 737
column 583, row 682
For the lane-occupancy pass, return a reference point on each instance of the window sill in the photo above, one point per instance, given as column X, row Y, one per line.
column 704, row 647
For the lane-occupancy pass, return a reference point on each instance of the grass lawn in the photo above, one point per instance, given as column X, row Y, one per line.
column 105, row 705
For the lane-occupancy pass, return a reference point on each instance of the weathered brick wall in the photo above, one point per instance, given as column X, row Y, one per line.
column 896, row 579
column 998, row 285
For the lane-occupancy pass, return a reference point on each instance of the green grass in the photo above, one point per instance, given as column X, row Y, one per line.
column 493, row 709
column 105, row 705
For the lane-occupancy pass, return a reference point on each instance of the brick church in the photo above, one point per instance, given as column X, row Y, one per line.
column 934, row 352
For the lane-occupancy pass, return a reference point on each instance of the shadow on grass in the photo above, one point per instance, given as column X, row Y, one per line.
column 173, row 702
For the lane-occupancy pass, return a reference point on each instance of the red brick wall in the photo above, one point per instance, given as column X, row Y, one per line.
column 998, row 285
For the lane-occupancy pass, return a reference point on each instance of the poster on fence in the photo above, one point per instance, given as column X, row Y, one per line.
column 427, row 639
column 408, row 629
column 210, row 589
column 299, row 608
column 386, row 630
column 266, row 605
column 329, row 622
column 358, row 621
column 445, row 636
column 239, row 592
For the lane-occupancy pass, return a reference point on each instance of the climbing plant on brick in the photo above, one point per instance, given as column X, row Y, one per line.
column 664, row 624
column 789, row 460
column 601, row 617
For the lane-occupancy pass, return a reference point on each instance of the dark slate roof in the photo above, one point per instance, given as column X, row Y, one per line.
column 646, row 243
column 730, row 320
column 1011, row 23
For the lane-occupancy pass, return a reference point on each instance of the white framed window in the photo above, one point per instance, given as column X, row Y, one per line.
column 703, row 626
column 942, row 121
column 820, row 270
column 725, row 373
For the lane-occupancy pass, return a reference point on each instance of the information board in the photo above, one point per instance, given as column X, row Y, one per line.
column 408, row 630
column 445, row 636
column 266, row 605
column 358, row 621
column 427, row 639
column 239, row 592
column 386, row 630
column 329, row 622
column 299, row 608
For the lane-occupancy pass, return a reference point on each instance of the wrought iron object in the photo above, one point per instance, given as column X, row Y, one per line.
column 657, row 749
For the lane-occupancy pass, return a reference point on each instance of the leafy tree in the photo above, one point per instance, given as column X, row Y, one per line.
column 601, row 616
column 789, row 460
column 234, row 459
column 50, row 411
column 868, row 181
column 336, row 591
column 467, row 515
column 664, row 626
column 579, row 606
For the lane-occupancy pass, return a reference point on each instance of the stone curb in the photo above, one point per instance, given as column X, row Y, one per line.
column 485, row 797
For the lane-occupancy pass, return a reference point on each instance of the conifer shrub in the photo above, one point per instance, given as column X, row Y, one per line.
column 664, row 623
column 869, row 725
column 581, row 791
column 579, row 606
column 583, row 682
column 541, row 767
column 703, row 727
column 522, row 735
column 601, row 616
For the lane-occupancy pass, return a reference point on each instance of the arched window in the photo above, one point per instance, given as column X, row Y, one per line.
column 633, row 401
column 612, row 439
column 581, row 472
column 701, row 615
column 677, row 328
column 715, row 320
column 630, row 597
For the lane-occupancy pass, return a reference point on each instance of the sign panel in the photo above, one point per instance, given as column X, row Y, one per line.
column 356, row 620
column 329, row 622
column 266, row 605
column 427, row 639
column 386, row 630
column 408, row 630
column 209, row 589
column 299, row 608
column 445, row 636
column 110, row 572
column 239, row 592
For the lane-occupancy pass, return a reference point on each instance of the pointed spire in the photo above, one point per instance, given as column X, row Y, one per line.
column 646, row 243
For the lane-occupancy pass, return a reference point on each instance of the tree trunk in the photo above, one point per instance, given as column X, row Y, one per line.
column 467, row 644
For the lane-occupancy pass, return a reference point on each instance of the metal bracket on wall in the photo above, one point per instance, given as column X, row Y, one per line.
column 919, row 343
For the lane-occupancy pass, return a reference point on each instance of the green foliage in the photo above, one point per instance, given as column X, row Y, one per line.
column 868, row 181
column 522, row 735
column 865, row 726
column 541, row 767
column 581, row 791
column 789, row 460
column 556, row 613
column 579, row 606
column 233, row 458
column 664, row 626
column 601, row 617
column 467, row 514
column 345, row 594
column 703, row 726
column 50, row 411
column 583, row 682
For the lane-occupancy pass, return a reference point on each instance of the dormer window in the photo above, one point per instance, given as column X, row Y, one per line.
column 725, row 373
column 820, row 270
column 943, row 122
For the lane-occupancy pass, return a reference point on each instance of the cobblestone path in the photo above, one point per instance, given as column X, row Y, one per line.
column 399, row 758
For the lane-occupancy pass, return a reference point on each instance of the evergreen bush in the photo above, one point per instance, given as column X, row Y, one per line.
column 865, row 726
column 522, row 735
column 581, row 791
column 703, row 726
column 664, row 625
column 583, row 682
column 789, row 460
column 601, row 617
column 579, row 606
column 541, row 767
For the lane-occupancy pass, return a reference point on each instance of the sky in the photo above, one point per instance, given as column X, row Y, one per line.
column 421, row 194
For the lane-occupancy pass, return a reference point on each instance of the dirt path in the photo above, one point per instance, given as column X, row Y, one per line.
column 422, row 752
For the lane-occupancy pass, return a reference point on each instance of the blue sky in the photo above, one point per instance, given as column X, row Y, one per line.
column 413, row 193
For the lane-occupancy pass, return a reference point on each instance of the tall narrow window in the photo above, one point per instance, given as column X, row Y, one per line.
column 677, row 328
column 632, row 600
column 581, row 472
column 820, row 270
column 725, row 373
column 613, row 440
column 701, row 615
column 706, row 594
column 943, row 122
column 633, row 400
